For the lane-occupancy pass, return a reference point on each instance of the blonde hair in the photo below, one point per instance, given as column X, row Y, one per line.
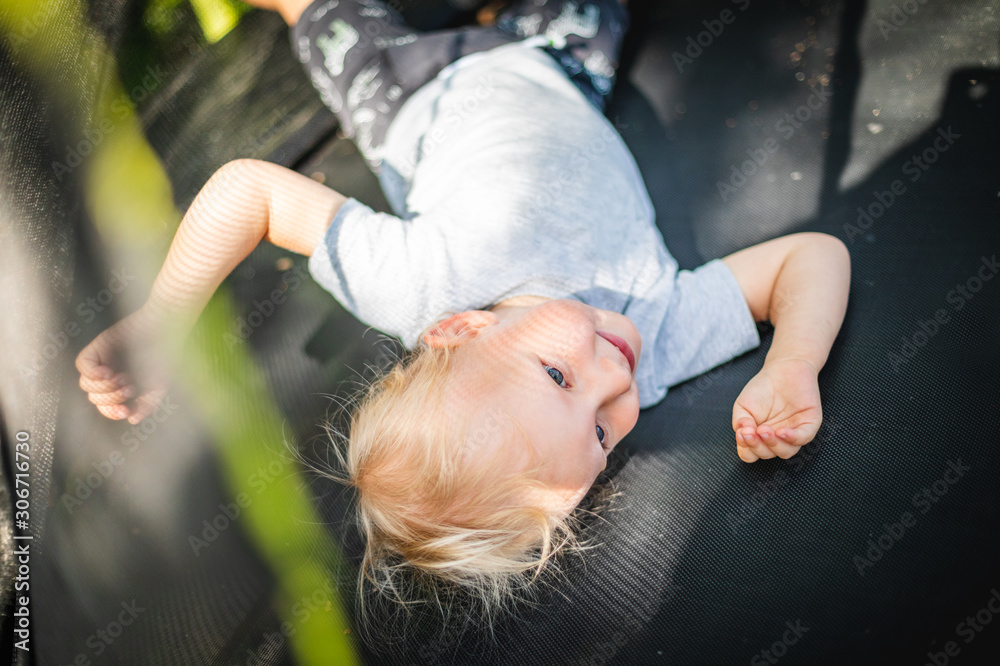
column 438, row 527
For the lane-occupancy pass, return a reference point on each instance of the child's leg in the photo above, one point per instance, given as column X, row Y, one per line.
column 593, row 31
column 366, row 62
column 588, row 38
column 342, row 44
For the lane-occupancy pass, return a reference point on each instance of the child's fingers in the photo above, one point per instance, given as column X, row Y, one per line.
column 113, row 397
column 755, row 443
column 742, row 419
column 780, row 447
column 114, row 412
column 788, row 435
column 145, row 405
column 88, row 363
column 103, row 385
column 745, row 454
column 799, row 435
column 740, row 423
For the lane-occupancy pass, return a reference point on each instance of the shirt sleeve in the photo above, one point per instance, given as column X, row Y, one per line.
column 707, row 323
column 376, row 265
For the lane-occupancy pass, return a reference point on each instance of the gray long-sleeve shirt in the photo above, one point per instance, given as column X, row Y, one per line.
column 506, row 181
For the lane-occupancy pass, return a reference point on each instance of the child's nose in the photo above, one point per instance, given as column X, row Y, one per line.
column 622, row 411
column 616, row 377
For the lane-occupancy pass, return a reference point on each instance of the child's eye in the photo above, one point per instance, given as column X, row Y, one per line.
column 600, row 435
column 556, row 375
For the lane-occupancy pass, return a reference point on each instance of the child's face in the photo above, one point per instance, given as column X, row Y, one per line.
column 547, row 367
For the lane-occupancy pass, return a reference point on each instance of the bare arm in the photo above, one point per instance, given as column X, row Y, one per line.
column 800, row 283
column 244, row 202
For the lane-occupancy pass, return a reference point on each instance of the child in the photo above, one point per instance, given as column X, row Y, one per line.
column 522, row 268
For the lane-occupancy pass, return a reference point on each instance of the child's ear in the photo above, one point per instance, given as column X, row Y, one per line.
column 458, row 328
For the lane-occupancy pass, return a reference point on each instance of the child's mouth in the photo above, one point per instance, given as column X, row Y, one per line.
column 623, row 347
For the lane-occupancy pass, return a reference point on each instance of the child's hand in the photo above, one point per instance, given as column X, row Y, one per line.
column 101, row 363
column 778, row 411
